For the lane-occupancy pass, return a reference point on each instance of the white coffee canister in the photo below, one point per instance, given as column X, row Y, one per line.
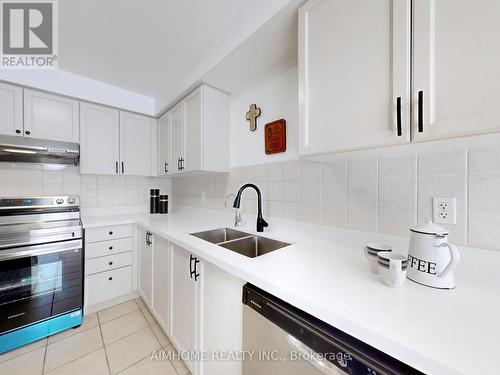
column 431, row 258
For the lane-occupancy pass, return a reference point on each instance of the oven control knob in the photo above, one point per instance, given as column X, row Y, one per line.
column 71, row 200
column 59, row 201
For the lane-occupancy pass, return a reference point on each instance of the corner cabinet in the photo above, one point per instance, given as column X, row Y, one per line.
column 354, row 76
column 116, row 142
column 199, row 132
column 48, row 116
column 145, row 281
column 164, row 136
column 356, row 64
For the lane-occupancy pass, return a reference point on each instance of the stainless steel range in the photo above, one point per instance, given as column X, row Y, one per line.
column 41, row 268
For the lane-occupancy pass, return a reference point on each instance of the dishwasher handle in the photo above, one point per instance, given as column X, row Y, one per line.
column 315, row 360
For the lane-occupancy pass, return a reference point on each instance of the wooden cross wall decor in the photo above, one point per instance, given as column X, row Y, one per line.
column 252, row 115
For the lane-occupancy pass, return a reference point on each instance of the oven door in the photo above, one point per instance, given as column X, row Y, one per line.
column 39, row 282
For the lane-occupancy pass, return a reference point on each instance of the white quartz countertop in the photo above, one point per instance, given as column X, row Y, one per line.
column 325, row 273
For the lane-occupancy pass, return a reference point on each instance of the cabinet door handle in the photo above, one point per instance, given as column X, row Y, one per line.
column 196, row 274
column 147, row 237
column 420, row 111
column 178, row 164
column 398, row 116
column 110, row 233
column 191, row 271
column 110, row 263
column 18, row 131
column 111, row 248
column 116, row 167
column 27, row 132
column 166, row 167
column 110, row 278
column 123, row 167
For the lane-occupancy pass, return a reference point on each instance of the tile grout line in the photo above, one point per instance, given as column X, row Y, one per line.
column 104, row 346
column 45, row 354
column 157, row 339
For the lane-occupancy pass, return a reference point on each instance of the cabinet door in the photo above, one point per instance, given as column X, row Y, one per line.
column 136, row 140
column 456, row 74
column 161, row 282
column 353, row 67
column 11, row 109
column 164, row 165
column 50, row 116
column 220, row 297
column 177, row 122
column 193, row 131
column 184, row 321
column 99, row 139
column 145, row 265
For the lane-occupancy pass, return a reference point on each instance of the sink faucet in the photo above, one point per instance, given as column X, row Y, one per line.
column 261, row 223
column 237, row 215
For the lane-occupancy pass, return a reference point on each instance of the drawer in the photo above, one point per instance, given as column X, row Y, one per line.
column 107, row 263
column 108, row 233
column 104, row 286
column 105, row 248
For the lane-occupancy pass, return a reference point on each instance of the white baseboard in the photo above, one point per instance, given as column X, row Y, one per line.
column 112, row 302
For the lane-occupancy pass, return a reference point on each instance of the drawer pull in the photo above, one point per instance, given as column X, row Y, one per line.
column 110, row 232
column 110, row 263
column 110, row 278
column 111, row 248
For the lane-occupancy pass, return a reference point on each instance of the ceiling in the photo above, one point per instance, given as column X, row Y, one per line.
column 156, row 48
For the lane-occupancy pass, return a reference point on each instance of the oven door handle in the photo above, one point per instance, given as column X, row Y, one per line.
column 35, row 250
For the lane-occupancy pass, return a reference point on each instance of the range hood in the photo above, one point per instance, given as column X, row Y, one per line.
column 32, row 150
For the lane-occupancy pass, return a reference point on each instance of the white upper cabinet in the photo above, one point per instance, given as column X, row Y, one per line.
column 48, row 116
column 177, row 122
column 193, row 132
column 99, row 139
column 456, row 68
column 199, row 129
column 354, row 74
column 137, row 144
column 11, row 109
column 164, row 164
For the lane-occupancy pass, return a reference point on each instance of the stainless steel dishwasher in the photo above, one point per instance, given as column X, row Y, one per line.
column 279, row 339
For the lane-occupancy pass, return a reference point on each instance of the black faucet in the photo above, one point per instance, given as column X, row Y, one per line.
column 261, row 223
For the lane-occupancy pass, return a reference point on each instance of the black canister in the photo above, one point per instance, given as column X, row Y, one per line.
column 163, row 204
column 154, row 201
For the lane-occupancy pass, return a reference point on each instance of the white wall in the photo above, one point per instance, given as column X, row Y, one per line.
column 277, row 98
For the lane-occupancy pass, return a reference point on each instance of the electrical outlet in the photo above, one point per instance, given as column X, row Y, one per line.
column 444, row 210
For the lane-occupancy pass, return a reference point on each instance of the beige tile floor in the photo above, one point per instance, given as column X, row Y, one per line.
column 119, row 340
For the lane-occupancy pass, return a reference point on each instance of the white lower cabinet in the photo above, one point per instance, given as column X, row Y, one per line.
column 220, row 319
column 145, row 265
column 105, row 286
column 109, row 265
column 160, row 293
column 197, row 304
column 184, row 295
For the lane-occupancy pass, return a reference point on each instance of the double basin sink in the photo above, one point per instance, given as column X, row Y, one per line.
column 249, row 245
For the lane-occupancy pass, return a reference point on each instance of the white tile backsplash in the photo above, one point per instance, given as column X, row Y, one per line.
column 387, row 194
column 18, row 179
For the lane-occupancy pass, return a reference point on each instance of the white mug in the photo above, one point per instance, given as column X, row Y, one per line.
column 392, row 268
column 371, row 251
